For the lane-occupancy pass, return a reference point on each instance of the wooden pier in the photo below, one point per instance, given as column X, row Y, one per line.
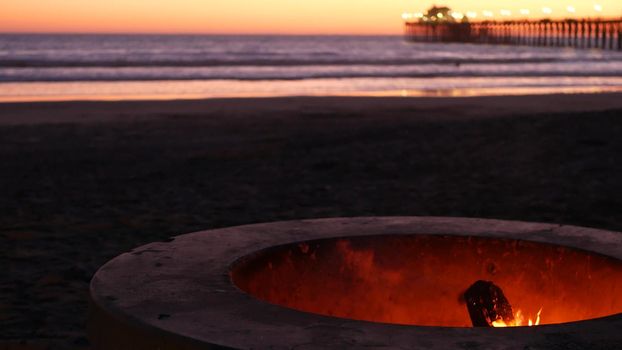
column 582, row 33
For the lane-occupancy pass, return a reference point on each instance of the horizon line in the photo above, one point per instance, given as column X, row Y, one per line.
column 189, row 33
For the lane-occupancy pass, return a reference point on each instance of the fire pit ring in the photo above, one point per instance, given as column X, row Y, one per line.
column 187, row 293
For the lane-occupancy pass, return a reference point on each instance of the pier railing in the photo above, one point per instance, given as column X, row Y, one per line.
column 584, row 33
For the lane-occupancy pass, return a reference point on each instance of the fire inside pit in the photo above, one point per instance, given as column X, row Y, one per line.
column 488, row 307
column 422, row 279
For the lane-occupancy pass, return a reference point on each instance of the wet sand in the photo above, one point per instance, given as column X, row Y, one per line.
column 82, row 182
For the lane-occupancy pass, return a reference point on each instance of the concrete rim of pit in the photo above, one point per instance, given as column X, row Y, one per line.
column 179, row 294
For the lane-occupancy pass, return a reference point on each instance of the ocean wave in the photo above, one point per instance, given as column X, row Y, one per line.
column 75, row 58
column 86, row 63
column 272, row 78
column 305, row 72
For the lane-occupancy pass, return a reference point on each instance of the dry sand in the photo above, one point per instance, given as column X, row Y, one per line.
column 82, row 182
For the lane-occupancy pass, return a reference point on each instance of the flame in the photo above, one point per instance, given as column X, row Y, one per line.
column 519, row 320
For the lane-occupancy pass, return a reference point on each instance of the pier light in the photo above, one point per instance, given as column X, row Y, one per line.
column 524, row 12
column 571, row 9
column 457, row 15
column 406, row 16
column 547, row 10
column 505, row 12
column 488, row 13
column 418, row 15
column 439, row 15
column 598, row 8
column 471, row 14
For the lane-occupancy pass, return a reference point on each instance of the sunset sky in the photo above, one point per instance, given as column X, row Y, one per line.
column 252, row 16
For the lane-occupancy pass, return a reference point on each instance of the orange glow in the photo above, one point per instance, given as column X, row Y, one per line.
column 258, row 17
column 420, row 280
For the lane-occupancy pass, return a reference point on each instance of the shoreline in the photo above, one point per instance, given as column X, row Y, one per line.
column 437, row 87
column 427, row 108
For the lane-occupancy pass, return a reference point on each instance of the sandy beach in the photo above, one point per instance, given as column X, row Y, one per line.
column 82, row 182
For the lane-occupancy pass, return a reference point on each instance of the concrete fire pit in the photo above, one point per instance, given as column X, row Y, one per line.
column 360, row 283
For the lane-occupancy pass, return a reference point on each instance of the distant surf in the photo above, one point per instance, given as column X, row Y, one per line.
column 100, row 65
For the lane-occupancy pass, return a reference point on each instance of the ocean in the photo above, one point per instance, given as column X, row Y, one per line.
column 121, row 67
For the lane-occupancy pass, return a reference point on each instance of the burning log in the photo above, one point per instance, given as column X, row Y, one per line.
column 487, row 304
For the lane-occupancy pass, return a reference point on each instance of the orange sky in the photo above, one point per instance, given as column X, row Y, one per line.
column 250, row 16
